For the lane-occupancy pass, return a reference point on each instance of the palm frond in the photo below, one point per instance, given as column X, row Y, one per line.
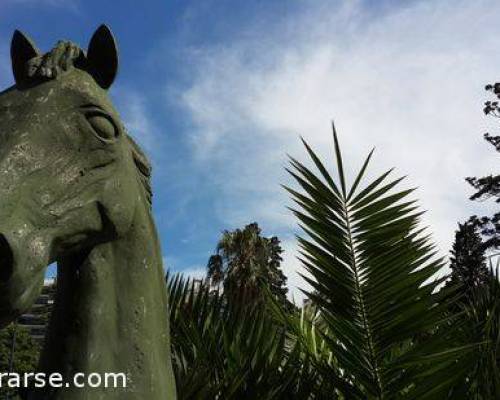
column 372, row 270
column 222, row 350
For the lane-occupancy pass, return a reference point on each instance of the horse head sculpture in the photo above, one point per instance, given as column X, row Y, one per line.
column 75, row 189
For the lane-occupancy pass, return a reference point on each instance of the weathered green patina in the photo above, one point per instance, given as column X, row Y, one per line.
column 75, row 188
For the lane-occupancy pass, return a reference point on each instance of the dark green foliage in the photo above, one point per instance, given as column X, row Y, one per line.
column 479, row 306
column 468, row 260
column 481, row 324
column 485, row 313
column 25, row 356
column 244, row 261
column 26, row 351
column 225, row 350
column 489, row 186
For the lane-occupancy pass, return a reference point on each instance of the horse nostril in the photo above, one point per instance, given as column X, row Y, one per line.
column 6, row 259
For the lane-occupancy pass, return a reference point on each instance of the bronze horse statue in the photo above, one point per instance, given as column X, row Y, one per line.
column 75, row 189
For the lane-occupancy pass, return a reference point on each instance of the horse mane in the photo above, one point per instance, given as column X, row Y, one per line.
column 64, row 56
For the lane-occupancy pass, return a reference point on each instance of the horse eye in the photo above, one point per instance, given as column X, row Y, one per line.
column 103, row 126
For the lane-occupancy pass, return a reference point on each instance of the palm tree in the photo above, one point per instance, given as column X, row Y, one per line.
column 224, row 350
column 245, row 260
column 376, row 327
column 372, row 271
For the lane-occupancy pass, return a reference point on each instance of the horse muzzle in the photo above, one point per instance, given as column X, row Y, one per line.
column 22, row 269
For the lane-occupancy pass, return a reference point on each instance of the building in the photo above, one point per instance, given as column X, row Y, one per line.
column 36, row 320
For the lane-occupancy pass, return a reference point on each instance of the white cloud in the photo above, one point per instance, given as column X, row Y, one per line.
column 138, row 121
column 292, row 269
column 194, row 272
column 174, row 266
column 408, row 81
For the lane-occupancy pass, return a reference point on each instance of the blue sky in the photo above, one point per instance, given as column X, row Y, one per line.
column 217, row 92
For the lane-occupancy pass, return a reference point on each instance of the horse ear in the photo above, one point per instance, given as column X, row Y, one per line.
column 22, row 49
column 102, row 57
